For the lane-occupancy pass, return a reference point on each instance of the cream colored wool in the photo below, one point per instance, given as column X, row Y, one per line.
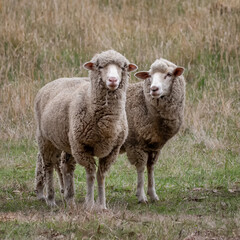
column 152, row 122
column 83, row 118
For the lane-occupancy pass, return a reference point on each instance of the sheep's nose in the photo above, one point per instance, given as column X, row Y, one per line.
column 154, row 88
column 112, row 79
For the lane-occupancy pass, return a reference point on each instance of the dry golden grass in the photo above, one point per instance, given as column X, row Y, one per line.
column 43, row 40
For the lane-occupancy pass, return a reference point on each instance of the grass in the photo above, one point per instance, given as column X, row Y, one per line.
column 199, row 191
column 198, row 174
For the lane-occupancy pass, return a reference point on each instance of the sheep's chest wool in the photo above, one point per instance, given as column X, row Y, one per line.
column 102, row 124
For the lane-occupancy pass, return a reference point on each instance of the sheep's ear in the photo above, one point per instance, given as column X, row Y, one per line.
column 132, row 67
column 88, row 65
column 178, row 71
column 142, row 75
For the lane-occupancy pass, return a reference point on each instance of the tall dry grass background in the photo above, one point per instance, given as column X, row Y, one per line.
column 44, row 40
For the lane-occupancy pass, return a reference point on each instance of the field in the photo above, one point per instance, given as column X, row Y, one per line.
column 198, row 173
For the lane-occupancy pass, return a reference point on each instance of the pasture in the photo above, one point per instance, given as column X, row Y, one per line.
column 198, row 173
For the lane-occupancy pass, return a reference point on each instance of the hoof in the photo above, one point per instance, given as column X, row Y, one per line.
column 40, row 196
column 51, row 203
column 42, row 199
column 71, row 204
column 100, row 206
column 153, row 196
column 142, row 199
column 88, row 205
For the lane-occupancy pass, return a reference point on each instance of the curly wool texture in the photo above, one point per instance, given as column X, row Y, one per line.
column 152, row 122
column 162, row 65
column 82, row 117
column 109, row 57
column 79, row 110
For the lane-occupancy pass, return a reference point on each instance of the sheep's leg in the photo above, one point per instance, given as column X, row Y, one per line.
column 87, row 160
column 101, row 189
column 68, row 166
column 153, row 157
column 39, row 178
column 60, row 176
column 138, row 157
column 104, row 166
column 140, row 185
column 50, row 199
column 50, row 156
column 91, row 175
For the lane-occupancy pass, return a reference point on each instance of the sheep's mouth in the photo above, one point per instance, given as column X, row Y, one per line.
column 112, row 86
column 155, row 94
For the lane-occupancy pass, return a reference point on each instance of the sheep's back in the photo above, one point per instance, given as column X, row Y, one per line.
column 52, row 109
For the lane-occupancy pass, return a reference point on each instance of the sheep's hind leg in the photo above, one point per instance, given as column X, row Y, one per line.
column 50, row 199
column 50, row 156
column 68, row 166
column 60, row 176
column 39, row 178
column 104, row 166
column 153, row 157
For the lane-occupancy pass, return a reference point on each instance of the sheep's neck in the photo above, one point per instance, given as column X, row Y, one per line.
column 161, row 109
column 106, row 101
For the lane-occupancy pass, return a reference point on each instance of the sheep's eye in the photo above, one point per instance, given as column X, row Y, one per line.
column 169, row 75
column 100, row 67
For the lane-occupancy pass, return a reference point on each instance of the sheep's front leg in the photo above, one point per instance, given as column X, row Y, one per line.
column 87, row 160
column 68, row 166
column 91, row 175
column 140, row 185
column 138, row 157
column 104, row 166
column 39, row 178
column 101, row 189
column 153, row 157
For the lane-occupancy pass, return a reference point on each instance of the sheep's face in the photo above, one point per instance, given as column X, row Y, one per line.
column 160, row 82
column 111, row 74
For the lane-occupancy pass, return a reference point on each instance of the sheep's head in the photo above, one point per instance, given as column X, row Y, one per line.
column 160, row 77
column 110, row 66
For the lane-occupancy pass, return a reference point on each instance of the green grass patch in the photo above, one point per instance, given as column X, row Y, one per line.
column 192, row 181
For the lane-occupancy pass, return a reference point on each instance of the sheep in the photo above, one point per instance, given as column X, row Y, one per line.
column 155, row 111
column 80, row 118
